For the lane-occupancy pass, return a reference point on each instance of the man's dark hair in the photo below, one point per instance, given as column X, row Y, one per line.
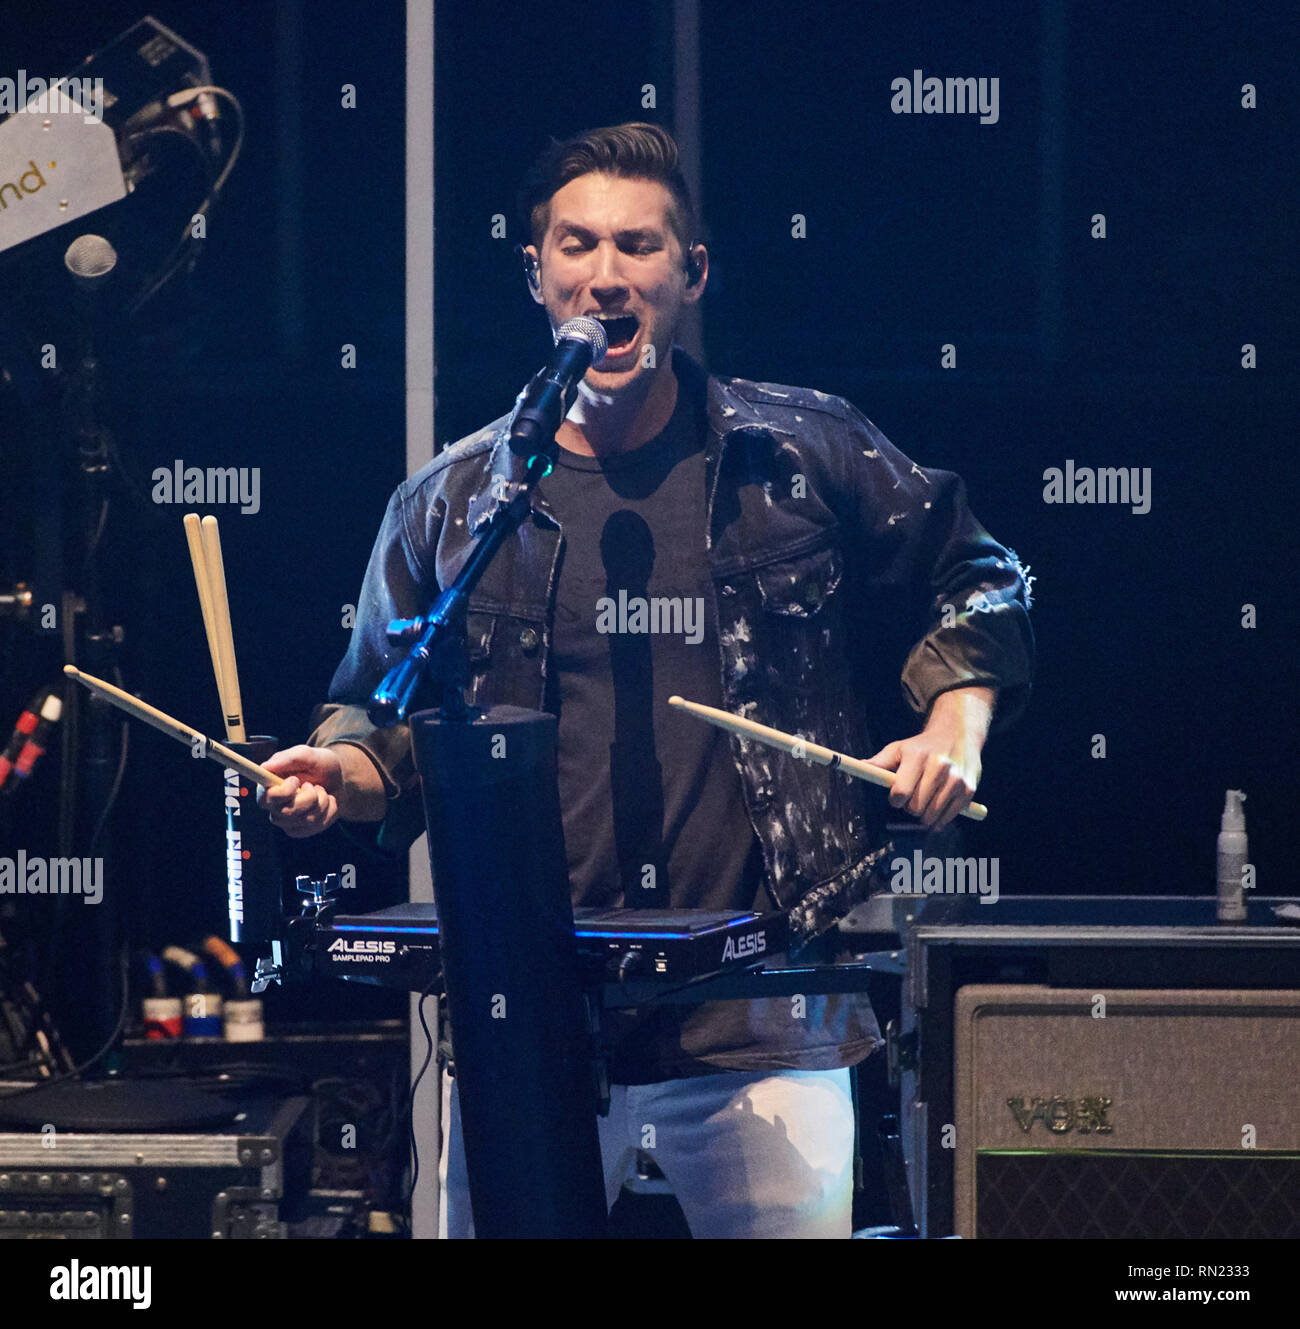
column 635, row 151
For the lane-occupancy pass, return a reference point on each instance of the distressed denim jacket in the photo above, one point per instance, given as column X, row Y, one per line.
column 835, row 562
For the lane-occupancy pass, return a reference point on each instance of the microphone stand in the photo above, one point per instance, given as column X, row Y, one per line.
column 541, row 408
column 525, row 1064
column 97, row 1098
column 101, row 639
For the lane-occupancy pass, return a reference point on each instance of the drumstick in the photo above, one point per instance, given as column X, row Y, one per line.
column 200, row 564
column 800, row 747
column 178, row 730
column 232, row 705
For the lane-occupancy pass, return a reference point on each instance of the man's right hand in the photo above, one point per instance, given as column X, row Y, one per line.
column 306, row 801
column 320, row 785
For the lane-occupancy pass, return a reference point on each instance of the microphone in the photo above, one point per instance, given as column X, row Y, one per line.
column 90, row 258
column 579, row 344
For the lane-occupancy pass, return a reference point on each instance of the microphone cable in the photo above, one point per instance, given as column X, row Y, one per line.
column 103, row 1051
column 179, row 254
column 415, row 1084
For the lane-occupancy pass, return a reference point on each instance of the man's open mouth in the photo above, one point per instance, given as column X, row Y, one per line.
column 620, row 329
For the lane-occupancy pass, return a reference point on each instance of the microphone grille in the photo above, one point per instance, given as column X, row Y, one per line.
column 588, row 330
column 90, row 257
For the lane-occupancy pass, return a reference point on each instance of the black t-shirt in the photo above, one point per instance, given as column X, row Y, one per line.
column 653, row 809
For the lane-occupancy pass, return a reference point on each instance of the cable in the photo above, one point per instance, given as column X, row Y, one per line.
column 180, row 98
column 176, row 256
column 101, row 522
column 20, row 1021
column 157, row 130
column 168, row 267
column 44, row 1020
column 113, row 790
column 20, row 1037
column 174, row 261
column 415, row 1084
column 31, row 1032
column 116, row 786
column 38, row 1007
column 103, row 1052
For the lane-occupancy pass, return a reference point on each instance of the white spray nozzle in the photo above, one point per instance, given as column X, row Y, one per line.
column 1234, row 816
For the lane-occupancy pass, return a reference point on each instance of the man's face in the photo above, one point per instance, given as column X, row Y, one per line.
column 609, row 250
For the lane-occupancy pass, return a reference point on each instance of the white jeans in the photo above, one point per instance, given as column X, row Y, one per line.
column 747, row 1153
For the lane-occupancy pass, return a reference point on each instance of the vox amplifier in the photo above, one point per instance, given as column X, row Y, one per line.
column 1126, row 1113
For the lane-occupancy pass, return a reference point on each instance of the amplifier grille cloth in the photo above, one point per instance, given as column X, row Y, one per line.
column 1117, row 1194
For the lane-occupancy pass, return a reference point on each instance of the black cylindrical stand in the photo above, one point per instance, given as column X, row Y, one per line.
column 523, row 1054
column 253, row 876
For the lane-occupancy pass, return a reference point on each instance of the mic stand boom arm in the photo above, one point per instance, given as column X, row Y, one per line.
column 439, row 635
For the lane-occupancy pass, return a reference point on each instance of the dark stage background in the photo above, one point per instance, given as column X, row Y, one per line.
column 921, row 230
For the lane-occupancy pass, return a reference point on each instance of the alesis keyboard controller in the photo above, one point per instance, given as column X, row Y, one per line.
column 398, row 946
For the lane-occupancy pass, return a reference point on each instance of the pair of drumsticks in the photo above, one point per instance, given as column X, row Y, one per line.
column 210, row 578
column 204, row 539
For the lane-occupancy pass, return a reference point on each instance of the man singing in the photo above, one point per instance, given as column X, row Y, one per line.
column 799, row 562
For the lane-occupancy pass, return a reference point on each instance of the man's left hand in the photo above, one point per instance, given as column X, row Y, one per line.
column 938, row 771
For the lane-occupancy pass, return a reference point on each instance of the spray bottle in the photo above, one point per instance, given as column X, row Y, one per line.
column 1232, row 858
